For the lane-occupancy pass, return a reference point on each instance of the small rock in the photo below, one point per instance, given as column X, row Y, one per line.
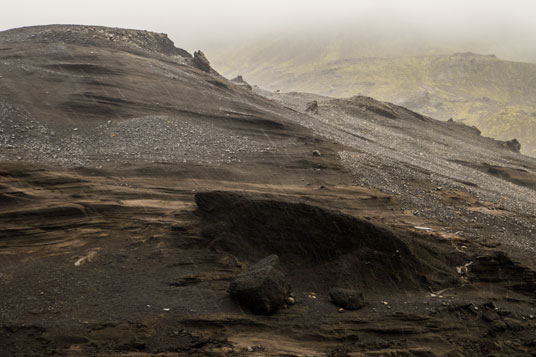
column 490, row 305
column 340, row 310
column 512, row 145
column 201, row 62
column 513, row 324
column 490, row 316
column 290, row 300
column 239, row 80
column 316, row 153
column 347, row 298
column 312, row 107
column 177, row 227
column 498, row 325
column 138, row 345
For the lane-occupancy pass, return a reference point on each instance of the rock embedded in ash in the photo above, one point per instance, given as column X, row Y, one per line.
column 316, row 153
column 348, row 299
column 498, row 326
column 290, row 300
column 312, row 107
column 513, row 324
column 239, row 80
column 513, row 145
column 262, row 288
column 490, row 315
column 201, row 62
column 178, row 227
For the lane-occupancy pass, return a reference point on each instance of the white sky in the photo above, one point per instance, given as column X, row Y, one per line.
column 211, row 24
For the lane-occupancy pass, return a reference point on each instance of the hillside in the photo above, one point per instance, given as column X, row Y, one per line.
column 495, row 95
column 151, row 207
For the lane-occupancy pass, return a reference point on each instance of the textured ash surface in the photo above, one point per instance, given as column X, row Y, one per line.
column 106, row 135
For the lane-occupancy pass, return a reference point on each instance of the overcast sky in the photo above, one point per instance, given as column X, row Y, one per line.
column 507, row 27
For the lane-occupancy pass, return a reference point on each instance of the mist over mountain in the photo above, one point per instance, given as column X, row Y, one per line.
column 376, row 34
column 437, row 74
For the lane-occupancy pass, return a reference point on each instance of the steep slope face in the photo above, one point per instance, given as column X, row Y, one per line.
column 79, row 95
column 136, row 183
column 495, row 95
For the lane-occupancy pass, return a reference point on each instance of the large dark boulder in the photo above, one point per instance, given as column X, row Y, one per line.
column 262, row 288
column 348, row 299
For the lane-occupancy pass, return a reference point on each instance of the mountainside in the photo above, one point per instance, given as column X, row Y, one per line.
column 150, row 206
column 495, row 95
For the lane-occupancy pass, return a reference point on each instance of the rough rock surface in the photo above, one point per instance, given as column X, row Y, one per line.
column 312, row 107
column 262, row 288
column 348, row 299
column 201, row 62
column 239, row 80
column 513, row 145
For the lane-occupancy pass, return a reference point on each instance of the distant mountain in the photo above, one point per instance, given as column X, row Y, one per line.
column 495, row 95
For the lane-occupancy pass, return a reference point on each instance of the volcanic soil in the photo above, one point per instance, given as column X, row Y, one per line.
column 136, row 183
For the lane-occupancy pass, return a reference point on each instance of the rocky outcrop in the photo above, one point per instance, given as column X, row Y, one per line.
column 312, row 107
column 239, row 80
column 106, row 37
column 201, row 62
column 512, row 145
column 262, row 288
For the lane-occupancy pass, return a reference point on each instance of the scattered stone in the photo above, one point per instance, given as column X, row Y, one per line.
column 316, row 153
column 139, row 345
column 201, row 62
column 428, row 229
column 178, row 227
column 254, row 348
column 489, row 315
column 290, row 300
column 348, row 299
column 262, row 288
column 490, row 305
column 340, row 310
column 312, row 107
column 513, row 324
column 512, row 145
column 239, row 80
column 498, row 326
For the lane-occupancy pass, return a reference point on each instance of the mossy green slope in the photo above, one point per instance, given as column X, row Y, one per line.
column 497, row 96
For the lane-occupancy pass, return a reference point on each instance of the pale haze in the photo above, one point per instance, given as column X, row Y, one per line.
column 505, row 28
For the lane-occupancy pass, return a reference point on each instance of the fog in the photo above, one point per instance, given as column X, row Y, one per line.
column 505, row 28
